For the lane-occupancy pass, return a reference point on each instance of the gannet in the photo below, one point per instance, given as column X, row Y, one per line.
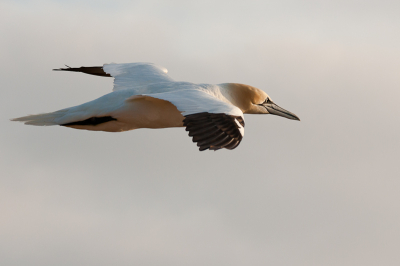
column 144, row 96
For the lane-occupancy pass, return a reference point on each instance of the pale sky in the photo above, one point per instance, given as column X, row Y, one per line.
column 323, row 191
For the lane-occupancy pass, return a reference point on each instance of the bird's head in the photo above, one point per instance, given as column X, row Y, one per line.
column 252, row 100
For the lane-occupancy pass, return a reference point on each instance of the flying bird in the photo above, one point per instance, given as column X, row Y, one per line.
column 144, row 96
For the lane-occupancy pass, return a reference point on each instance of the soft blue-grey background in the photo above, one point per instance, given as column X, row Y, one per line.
column 323, row 191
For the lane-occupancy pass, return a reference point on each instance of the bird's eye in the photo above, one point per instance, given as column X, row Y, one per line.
column 267, row 101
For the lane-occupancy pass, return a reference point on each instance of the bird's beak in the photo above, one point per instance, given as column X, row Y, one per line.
column 274, row 109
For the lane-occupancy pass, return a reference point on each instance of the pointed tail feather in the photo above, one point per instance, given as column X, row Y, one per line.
column 47, row 119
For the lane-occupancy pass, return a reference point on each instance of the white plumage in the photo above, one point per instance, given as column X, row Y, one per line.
column 144, row 96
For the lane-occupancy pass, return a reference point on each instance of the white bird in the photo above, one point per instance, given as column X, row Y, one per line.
column 144, row 96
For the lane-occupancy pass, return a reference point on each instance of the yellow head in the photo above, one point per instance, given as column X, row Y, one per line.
column 252, row 100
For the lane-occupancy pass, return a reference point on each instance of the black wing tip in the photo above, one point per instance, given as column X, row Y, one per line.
column 203, row 148
column 62, row 69
column 213, row 131
column 95, row 70
column 92, row 121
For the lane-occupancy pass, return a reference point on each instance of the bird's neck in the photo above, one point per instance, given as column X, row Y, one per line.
column 238, row 94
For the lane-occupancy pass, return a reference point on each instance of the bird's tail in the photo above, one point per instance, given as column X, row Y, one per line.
column 93, row 115
column 47, row 119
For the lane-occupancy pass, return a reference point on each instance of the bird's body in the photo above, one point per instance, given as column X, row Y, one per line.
column 145, row 97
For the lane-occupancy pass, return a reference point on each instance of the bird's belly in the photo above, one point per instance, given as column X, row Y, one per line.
column 134, row 113
column 149, row 113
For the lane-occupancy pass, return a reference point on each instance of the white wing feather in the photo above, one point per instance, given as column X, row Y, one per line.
column 133, row 75
column 198, row 101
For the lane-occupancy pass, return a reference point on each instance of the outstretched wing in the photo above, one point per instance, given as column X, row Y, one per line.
column 215, row 131
column 135, row 75
column 212, row 123
column 127, row 76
